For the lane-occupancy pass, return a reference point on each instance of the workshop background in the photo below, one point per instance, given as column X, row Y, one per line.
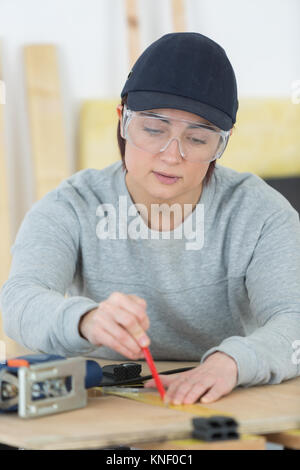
column 63, row 65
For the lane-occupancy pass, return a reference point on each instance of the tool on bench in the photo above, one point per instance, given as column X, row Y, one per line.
column 121, row 372
column 41, row 384
column 36, row 385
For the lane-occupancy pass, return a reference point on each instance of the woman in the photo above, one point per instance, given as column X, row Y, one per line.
column 215, row 279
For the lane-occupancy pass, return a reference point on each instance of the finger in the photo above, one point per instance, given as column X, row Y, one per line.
column 213, row 394
column 128, row 321
column 165, row 379
column 150, row 383
column 131, row 324
column 138, row 299
column 196, row 391
column 180, row 390
column 175, row 385
column 120, row 335
column 145, row 322
column 107, row 340
column 130, row 304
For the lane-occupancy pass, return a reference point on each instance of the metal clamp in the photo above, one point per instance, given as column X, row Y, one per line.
column 51, row 387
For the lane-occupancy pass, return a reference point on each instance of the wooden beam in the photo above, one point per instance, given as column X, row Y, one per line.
column 134, row 45
column 97, row 141
column 178, row 13
column 98, row 120
column 9, row 347
column 46, row 122
column 4, row 202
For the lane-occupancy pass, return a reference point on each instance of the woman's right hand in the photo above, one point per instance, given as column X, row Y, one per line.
column 119, row 323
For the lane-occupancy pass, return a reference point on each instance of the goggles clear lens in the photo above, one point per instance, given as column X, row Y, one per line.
column 153, row 133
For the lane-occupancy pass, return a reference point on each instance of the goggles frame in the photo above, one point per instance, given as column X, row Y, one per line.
column 128, row 114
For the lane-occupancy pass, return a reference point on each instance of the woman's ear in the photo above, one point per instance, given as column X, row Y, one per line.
column 119, row 110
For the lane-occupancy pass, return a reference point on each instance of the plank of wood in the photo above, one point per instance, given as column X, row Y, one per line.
column 264, row 409
column 249, row 422
column 178, row 14
column 134, row 45
column 98, row 119
column 97, row 139
column 4, row 202
column 265, row 140
column 106, row 421
column 258, row 410
column 290, row 439
column 46, row 121
column 111, row 421
column 8, row 347
column 152, row 398
column 5, row 237
column 246, row 442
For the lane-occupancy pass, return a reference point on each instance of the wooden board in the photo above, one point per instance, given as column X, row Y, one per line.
column 289, row 439
column 133, row 33
column 46, row 121
column 260, row 409
column 246, row 442
column 104, row 422
column 97, row 139
column 109, row 420
column 253, row 416
column 5, row 237
column 178, row 14
column 266, row 138
column 7, row 346
column 264, row 409
column 98, row 119
column 112, row 421
column 4, row 203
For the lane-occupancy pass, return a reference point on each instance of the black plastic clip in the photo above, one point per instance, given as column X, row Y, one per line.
column 121, row 372
column 215, row 428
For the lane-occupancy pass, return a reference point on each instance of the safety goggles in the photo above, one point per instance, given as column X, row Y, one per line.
column 152, row 132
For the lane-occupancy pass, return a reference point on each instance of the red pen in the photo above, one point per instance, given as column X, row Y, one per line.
column 154, row 372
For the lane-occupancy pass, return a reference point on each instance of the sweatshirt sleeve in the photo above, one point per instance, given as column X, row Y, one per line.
column 272, row 279
column 36, row 313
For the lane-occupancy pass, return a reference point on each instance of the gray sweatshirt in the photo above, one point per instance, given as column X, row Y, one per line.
column 226, row 279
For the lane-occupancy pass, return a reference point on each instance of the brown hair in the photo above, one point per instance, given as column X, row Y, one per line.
column 121, row 144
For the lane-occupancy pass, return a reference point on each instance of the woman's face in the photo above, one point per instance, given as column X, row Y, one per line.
column 143, row 166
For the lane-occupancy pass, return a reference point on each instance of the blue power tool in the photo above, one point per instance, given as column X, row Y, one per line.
column 42, row 384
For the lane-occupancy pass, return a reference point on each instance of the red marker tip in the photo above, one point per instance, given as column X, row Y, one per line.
column 154, row 372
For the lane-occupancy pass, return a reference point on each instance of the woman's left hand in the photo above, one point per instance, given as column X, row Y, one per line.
column 212, row 379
